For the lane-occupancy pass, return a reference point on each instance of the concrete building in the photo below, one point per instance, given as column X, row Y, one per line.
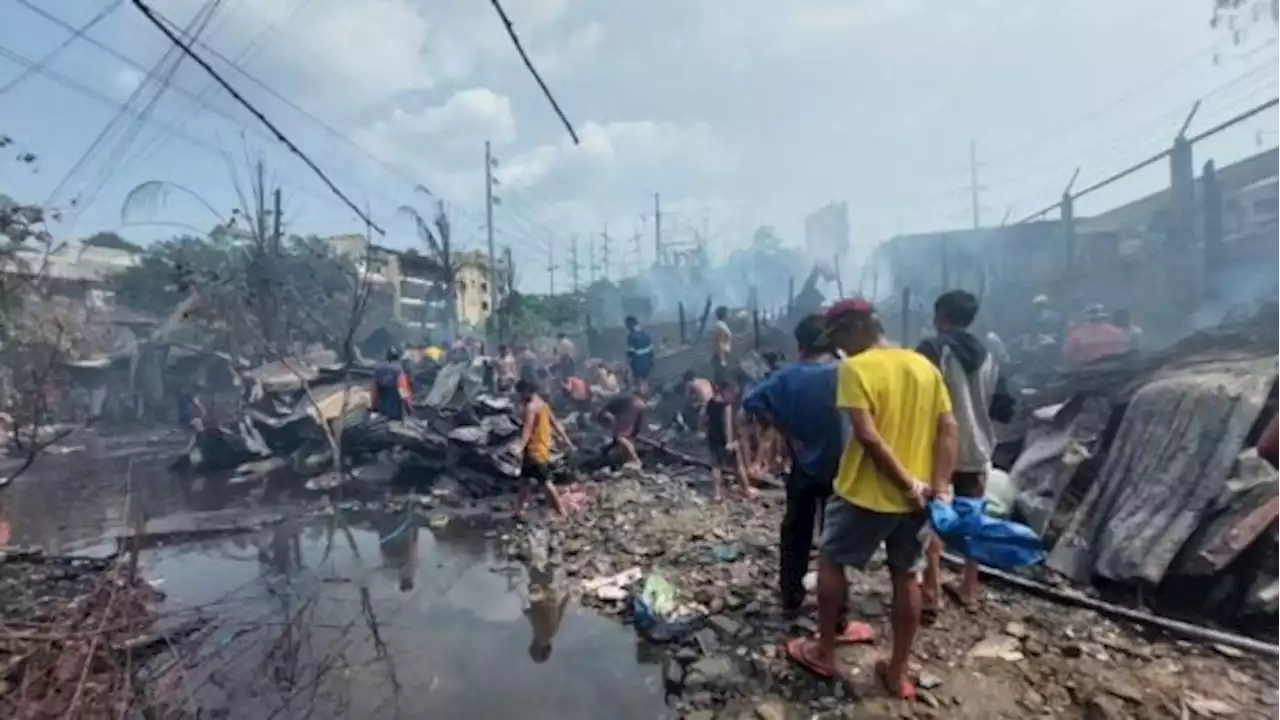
column 416, row 281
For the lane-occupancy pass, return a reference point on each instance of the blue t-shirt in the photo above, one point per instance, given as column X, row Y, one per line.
column 801, row 400
column 640, row 351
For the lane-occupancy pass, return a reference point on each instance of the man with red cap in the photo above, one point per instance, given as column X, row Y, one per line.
column 901, row 453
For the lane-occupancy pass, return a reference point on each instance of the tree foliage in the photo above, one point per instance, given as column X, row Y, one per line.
column 313, row 288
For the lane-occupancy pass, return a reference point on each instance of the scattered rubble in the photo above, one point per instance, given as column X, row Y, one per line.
column 73, row 630
column 1019, row 655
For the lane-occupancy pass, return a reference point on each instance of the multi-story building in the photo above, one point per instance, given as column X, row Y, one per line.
column 417, row 282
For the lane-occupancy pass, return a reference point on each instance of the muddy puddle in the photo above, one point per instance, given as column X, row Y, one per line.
column 353, row 615
column 379, row 617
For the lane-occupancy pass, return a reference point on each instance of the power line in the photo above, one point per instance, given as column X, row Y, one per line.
column 329, row 129
column 211, row 88
column 49, row 56
column 112, row 124
column 105, row 100
column 130, row 134
column 152, row 16
column 546, row 92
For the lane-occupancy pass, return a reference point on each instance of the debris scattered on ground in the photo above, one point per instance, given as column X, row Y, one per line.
column 1018, row 655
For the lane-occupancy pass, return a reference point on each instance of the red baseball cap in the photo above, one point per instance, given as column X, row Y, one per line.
column 850, row 306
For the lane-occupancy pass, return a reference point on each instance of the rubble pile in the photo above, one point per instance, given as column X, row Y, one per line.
column 1144, row 477
column 457, row 434
column 74, row 628
column 719, row 633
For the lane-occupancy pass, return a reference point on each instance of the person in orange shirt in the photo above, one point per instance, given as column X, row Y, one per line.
column 534, row 448
column 1094, row 338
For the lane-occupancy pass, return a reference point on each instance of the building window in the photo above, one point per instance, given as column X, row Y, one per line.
column 462, row 286
column 484, row 306
column 484, row 287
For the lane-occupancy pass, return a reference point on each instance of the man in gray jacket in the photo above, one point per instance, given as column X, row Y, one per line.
column 978, row 398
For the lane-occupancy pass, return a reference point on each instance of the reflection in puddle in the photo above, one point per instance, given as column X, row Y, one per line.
column 381, row 618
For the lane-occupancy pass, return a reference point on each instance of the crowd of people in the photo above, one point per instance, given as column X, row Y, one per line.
column 865, row 433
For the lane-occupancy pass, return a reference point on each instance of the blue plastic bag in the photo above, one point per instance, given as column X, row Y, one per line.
column 965, row 528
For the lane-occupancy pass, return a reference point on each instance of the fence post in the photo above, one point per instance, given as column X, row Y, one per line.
column 1182, row 176
column 1213, row 224
column 684, row 335
column 1069, row 232
column 906, row 317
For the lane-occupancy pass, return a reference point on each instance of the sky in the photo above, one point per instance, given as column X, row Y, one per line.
column 739, row 113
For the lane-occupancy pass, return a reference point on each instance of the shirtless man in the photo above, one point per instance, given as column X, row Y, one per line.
column 624, row 415
column 721, row 346
column 698, row 391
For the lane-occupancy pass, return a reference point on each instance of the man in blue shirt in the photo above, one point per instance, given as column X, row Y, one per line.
column 800, row 400
column 639, row 353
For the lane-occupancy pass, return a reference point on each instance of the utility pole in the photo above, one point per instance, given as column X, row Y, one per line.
column 973, row 184
column 604, row 241
column 551, row 270
column 591, row 261
column 275, row 224
column 511, row 271
column 575, row 266
column 635, row 251
column 489, row 162
column 657, row 230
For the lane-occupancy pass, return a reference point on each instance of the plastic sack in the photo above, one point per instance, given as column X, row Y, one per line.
column 1000, row 493
column 965, row 528
column 656, row 614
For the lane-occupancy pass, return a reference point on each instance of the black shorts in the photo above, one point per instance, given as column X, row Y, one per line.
column 534, row 472
column 721, row 455
column 969, row 484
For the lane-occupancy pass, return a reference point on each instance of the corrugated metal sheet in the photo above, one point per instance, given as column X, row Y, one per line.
column 1169, row 463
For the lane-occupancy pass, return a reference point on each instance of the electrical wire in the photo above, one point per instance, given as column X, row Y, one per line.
column 546, row 92
column 52, row 54
column 210, row 90
column 107, row 101
column 115, row 159
column 154, row 17
column 112, row 125
column 328, row 129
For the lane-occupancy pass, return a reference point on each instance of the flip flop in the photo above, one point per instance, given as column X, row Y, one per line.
column 953, row 592
column 906, row 690
column 929, row 616
column 856, row 633
column 801, row 651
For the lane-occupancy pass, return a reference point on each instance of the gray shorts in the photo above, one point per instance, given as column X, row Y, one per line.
column 851, row 535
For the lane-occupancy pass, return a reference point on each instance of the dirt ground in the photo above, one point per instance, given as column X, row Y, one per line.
column 1019, row 657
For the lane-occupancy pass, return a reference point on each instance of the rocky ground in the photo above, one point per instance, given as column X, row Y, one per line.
column 1019, row 657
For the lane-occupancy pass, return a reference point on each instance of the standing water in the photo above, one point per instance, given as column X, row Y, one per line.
column 353, row 615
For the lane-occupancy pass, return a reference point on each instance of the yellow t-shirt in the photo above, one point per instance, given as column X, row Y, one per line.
column 433, row 353
column 905, row 394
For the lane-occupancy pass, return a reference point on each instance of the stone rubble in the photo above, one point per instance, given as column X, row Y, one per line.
column 1018, row 657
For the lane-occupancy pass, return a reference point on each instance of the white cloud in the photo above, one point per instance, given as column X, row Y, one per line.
column 442, row 144
column 620, row 146
column 572, row 52
column 345, row 56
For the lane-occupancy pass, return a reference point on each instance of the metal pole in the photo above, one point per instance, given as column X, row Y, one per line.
column 488, row 223
column 657, row 230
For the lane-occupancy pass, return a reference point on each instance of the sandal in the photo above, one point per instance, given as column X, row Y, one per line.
column 906, row 690
column 970, row 606
column 802, row 650
column 929, row 616
column 856, row 633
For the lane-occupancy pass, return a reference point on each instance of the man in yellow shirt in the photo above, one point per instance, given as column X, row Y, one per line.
column 901, row 453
